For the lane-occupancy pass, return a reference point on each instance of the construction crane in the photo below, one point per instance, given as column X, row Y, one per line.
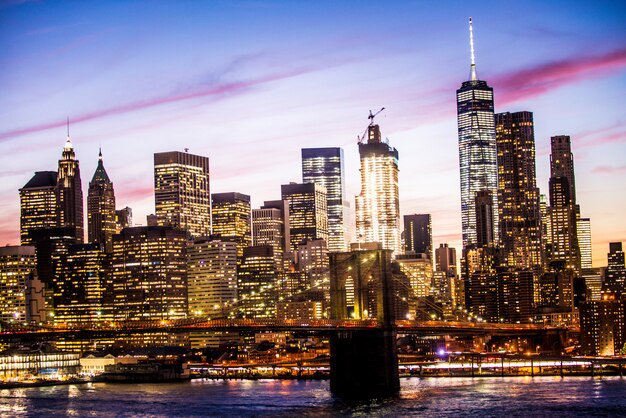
column 371, row 117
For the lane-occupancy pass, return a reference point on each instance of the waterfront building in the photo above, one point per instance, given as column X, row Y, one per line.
column 123, row 219
column 603, row 326
column 257, row 283
column 563, row 209
column 325, row 166
column 37, row 362
column 38, row 204
column 80, row 283
column 443, row 292
column 181, row 192
column 308, row 213
column 211, row 276
column 101, row 216
column 17, row 264
column 615, row 274
column 477, row 150
column 69, row 193
column 518, row 195
column 481, row 282
column 583, row 231
column 515, row 295
column 149, row 273
column 378, row 204
column 418, row 235
column 231, row 218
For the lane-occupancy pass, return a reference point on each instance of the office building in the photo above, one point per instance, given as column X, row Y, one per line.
column 419, row 270
column 38, row 204
column 231, row 218
column 80, row 285
column 324, row 166
column 69, row 193
column 257, row 284
column 101, row 214
column 418, row 235
column 17, row 263
column 308, row 214
column 583, row 232
column 181, row 192
column 378, row 204
column 123, row 219
column 149, row 273
column 563, row 209
column 485, row 235
column 270, row 226
column 603, row 326
column 477, row 150
column 518, row 195
column 615, row 274
column 211, row 276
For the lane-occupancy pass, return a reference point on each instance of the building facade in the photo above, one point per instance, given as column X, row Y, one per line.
column 149, row 273
column 418, row 234
column 325, row 166
column 518, row 195
column 101, row 216
column 231, row 218
column 563, row 209
column 69, row 193
column 17, row 263
column 38, row 204
column 257, row 284
column 308, row 213
column 378, row 204
column 477, row 149
column 181, row 192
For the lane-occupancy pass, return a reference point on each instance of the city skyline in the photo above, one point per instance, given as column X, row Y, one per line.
column 272, row 110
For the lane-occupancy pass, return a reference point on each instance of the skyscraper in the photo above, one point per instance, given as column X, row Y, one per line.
column 477, row 149
column 69, row 193
column 485, row 235
column 308, row 214
column 181, row 192
column 378, row 204
column 563, row 209
column 518, row 195
column 270, row 226
column 231, row 218
column 418, row 235
column 101, row 208
column 325, row 166
column 615, row 275
column 38, row 204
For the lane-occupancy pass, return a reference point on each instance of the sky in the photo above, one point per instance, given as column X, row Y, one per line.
column 250, row 83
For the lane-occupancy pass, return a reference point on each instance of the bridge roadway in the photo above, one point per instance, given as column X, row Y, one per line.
column 324, row 326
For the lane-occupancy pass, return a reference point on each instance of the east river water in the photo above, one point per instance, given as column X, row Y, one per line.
column 436, row 397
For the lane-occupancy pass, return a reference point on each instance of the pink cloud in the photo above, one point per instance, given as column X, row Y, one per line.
column 223, row 89
column 531, row 82
column 606, row 169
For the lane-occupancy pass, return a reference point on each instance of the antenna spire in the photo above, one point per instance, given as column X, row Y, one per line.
column 473, row 76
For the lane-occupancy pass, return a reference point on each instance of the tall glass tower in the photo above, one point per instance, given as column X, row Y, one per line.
column 378, row 205
column 477, row 148
column 325, row 166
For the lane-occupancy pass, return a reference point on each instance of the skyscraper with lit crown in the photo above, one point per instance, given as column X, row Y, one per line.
column 101, row 208
column 69, row 192
column 477, row 149
column 378, row 204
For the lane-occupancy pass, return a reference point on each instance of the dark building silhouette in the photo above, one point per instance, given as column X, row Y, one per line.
column 69, row 193
column 418, row 235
